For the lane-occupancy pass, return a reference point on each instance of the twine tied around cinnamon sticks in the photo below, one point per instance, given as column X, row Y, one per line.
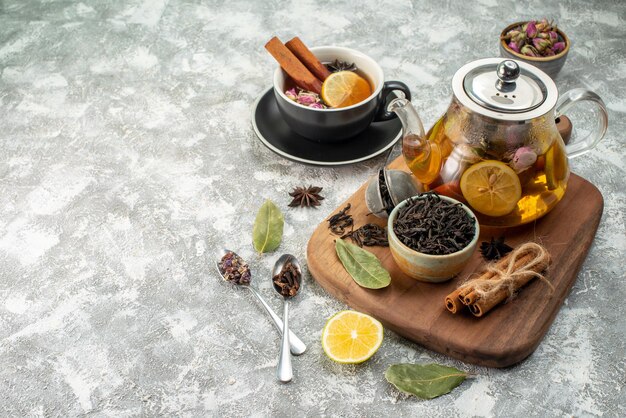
column 501, row 280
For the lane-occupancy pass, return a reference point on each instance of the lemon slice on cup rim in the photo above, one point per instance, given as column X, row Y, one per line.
column 344, row 88
column 351, row 337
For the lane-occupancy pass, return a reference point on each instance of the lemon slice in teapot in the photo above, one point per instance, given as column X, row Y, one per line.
column 491, row 188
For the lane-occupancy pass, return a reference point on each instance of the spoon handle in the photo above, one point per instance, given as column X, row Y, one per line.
column 284, row 371
column 297, row 346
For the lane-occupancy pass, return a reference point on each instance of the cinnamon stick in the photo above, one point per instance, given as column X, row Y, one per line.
column 305, row 56
column 501, row 280
column 292, row 66
column 453, row 302
column 471, row 295
column 484, row 305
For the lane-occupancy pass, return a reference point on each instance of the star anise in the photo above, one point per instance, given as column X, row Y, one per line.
column 306, row 196
column 337, row 65
column 495, row 249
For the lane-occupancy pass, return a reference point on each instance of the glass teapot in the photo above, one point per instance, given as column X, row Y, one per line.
column 497, row 148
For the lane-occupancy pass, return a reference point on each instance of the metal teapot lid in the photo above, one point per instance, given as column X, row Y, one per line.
column 505, row 89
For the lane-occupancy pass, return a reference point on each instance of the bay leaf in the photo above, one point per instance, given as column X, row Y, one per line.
column 268, row 228
column 362, row 265
column 424, row 381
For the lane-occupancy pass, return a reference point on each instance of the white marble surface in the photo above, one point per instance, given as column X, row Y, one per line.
column 127, row 156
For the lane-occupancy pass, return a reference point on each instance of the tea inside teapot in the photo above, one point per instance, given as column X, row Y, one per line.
column 497, row 147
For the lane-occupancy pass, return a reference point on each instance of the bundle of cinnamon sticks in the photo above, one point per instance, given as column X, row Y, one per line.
column 501, row 280
column 299, row 63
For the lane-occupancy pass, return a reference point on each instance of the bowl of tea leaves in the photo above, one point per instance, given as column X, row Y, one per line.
column 432, row 237
column 329, row 93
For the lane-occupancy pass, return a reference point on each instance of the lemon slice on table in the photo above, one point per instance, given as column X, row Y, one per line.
column 351, row 337
column 345, row 88
column 491, row 188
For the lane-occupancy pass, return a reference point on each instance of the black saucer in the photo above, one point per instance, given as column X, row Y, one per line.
column 276, row 135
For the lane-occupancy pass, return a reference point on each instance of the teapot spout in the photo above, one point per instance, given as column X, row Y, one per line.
column 411, row 122
column 416, row 149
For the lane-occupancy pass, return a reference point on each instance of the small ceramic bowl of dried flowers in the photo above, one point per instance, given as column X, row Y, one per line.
column 432, row 237
column 539, row 43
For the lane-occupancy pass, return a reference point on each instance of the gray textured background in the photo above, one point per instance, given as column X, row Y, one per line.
column 127, row 156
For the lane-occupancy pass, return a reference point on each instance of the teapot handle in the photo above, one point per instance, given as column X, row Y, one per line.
column 566, row 101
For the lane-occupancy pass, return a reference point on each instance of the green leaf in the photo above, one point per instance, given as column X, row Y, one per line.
column 424, row 381
column 362, row 265
column 268, row 228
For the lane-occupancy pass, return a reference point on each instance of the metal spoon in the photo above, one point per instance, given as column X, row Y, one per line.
column 284, row 371
column 296, row 345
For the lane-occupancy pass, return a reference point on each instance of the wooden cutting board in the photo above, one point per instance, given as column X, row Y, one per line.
column 415, row 310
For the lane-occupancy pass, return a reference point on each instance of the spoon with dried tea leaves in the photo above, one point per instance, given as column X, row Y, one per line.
column 235, row 270
column 287, row 281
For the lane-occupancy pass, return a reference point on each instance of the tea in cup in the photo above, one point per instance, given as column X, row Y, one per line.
column 330, row 124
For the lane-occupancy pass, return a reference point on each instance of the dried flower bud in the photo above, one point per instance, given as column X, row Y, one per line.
column 524, row 157
column 558, row 47
column 553, row 36
column 513, row 46
column 512, row 34
column 529, row 51
column 543, row 25
column 531, row 29
column 520, row 38
column 535, row 39
column 291, row 93
column 541, row 44
column 306, row 99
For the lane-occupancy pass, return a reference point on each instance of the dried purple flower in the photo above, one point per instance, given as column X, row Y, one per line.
column 529, row 51
column 531, row 29
column 234, row 269
column 291, row 93
column 513, row 46
column 541, row 44
column 524, row 157
column 535, row 39
column 542, row 25
column 520, row 38
column 511, row 35
column 558, row 47
column 305, row 98
column 553, row 36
